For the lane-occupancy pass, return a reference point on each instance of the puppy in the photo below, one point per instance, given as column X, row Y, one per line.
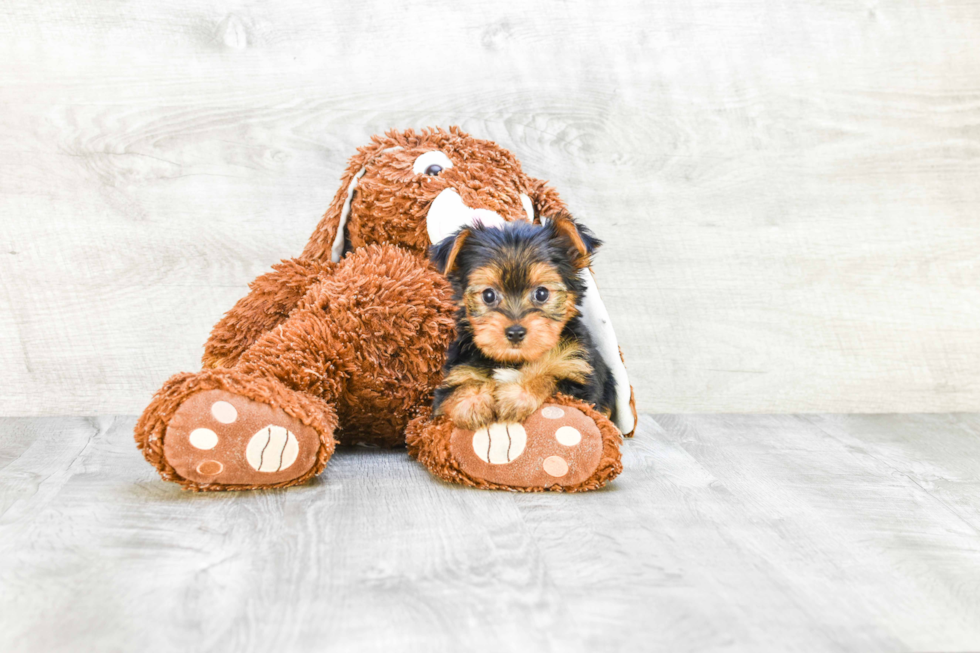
column 519, row 335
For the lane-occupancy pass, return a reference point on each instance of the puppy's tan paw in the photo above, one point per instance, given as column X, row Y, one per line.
column 471, row 407
column 514, row 403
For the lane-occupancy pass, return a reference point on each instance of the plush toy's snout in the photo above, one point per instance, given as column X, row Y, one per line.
column 448, row 213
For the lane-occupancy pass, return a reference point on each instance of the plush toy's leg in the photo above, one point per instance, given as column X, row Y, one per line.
column 224, row 430
column 363, row 346
column 566, row 446
column 271, row 298
column 371, row 339
column 267, row 422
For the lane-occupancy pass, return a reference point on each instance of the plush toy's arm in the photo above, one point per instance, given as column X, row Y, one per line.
column 270, row 300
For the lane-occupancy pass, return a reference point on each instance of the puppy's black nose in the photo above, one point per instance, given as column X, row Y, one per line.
column 515, row 333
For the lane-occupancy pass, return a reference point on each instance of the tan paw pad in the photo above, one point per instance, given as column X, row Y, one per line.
column 210, row 468
column 555, row 466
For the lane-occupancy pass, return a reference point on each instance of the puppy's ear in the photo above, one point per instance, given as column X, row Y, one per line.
column 582, row 241
column 445, row 253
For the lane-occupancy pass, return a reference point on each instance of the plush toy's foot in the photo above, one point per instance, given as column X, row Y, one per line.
column 219, row 430
column 565, row 446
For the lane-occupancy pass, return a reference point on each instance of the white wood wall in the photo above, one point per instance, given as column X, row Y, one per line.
column 790, row 191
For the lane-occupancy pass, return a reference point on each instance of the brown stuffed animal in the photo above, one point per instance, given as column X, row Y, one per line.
column 345, row 344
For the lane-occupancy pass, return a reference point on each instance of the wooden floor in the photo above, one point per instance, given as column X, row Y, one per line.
column 858, row 533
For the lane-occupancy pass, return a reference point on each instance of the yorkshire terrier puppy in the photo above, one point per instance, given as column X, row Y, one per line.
column 519, row 334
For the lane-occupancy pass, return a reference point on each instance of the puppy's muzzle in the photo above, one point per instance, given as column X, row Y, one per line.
column 515, row 334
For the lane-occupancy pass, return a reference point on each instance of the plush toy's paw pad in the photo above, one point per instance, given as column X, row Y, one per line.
column 219, row 437
column 556, row 446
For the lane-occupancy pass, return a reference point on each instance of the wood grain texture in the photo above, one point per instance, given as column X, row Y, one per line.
column 788, row 190
column 845, row 533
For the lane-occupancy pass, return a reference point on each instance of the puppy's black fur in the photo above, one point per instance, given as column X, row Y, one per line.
column 523, row 245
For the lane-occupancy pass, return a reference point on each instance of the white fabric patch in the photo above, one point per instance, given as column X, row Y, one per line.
column 203, row 439
column 528, row 207
column 224, row 412
column 435, row 157
column 500, row 443
column 448, row 213
column 272, row 449
column 552, row 412
column 568, row 436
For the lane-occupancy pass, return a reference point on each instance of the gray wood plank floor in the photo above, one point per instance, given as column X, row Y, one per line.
column 724, row 532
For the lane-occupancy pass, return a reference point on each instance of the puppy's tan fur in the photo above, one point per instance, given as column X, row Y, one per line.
column 511, row 394
column 544, row 327
column 521, row 391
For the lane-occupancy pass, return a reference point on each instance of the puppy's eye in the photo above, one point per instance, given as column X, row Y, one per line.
column 541, row 294
column 489, row 296
column 431, row 163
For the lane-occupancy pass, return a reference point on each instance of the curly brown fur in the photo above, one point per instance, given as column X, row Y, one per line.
column 271, row 299
column 391, row 202
column 371, row 339
column 428, row 442
column 354, row 348
column 519, row 335
column 389, row 206
column 521, row 391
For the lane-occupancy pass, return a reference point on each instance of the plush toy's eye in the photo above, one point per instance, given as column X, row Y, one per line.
column 431, row 163
column 489, row 296
column 541, row 294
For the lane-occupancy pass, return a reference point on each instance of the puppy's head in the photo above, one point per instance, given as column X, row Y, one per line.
column 518, row 283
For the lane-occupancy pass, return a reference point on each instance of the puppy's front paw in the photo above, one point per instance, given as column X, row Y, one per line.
column 471, row 407
column 514, row 403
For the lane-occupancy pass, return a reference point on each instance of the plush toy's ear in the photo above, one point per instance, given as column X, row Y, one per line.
column 329, row 238
column 541, row 200
column 445, row 252
column 583, row 243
